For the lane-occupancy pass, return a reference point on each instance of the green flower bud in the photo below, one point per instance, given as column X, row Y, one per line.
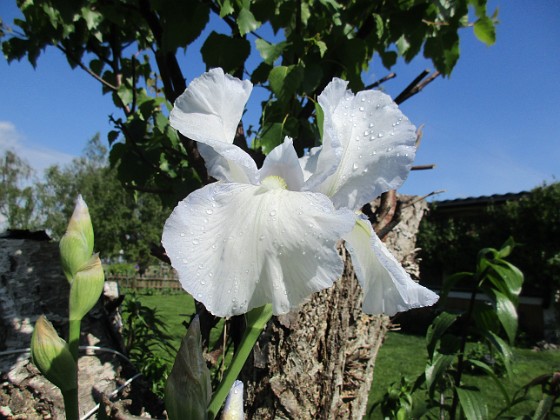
column 74, row 253
column 51, row 355
column 76, row 246
column 86, row 288
column 81, row 222
column 188, row 388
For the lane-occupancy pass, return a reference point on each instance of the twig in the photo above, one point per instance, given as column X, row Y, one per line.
column 423, row 167
column 380, row 81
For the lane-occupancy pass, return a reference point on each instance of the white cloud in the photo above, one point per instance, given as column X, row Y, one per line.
column 39, row 157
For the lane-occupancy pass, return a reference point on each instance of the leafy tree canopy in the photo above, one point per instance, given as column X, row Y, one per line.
column 134, row 49
column 16, row 192
column 126, row 223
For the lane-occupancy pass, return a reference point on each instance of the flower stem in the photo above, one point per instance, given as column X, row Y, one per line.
column 256, row 322
column 74, row 337
column 71, row 404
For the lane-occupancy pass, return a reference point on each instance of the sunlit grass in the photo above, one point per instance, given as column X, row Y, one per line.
column 404, row 354
column 401, row 354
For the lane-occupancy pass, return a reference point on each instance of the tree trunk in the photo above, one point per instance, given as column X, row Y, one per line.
column 319, row 362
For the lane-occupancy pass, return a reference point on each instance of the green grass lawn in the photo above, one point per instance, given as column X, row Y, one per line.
column 404, row 354
column 401, row 354
column 174, row 308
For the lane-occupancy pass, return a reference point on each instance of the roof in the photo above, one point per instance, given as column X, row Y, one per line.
column 473, row 204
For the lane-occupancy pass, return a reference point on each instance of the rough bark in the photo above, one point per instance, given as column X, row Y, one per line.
column 319, row 362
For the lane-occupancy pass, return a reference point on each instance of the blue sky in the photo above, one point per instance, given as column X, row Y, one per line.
column 491, row 128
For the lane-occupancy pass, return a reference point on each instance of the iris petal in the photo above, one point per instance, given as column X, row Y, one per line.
column 282, row 161
column 209, row 112
column 387, row 286
column 237, row 247
column 211, row 107
column 378, row 145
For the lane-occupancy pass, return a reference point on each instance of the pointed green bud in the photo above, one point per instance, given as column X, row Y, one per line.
column 86, row 288
column 81, row 222
column 233, row 409
column 74, row 253
column 188, row 388
column 76, row 246
column 51, row 355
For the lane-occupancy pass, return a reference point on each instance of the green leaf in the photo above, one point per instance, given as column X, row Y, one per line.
column 270, row 52
column 437, row 329
column 485, row 30
column 226, row 8
column 511, row 275
column 183, row 21
column 472, row 403
column 224, row 51
column 246, row 21
column 507, row 314
column 489, row 371
column 320, row 116
column 502, row 350
column 125, row 94
column 506, row 248
column 270, row 136
column 443, row 50
column 285, row 81
column 188, row 389
column 435, row 370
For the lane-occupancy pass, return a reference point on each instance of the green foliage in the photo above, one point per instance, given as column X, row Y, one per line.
column 148, row 343
column 17, row 199
column 137, row 62
column 126, row 223
column 449, row 243
column 405, row 355
column 448, row 335
column 397, row 401
column 188, row 389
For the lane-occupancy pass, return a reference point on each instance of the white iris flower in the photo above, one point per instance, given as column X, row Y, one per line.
column 269, row 235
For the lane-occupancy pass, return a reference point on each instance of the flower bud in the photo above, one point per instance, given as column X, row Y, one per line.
column 233, row 409
column 86, row 288
column 188, row 389
column 76, row 246
column 74, row 253
column 52, row 356
column 81, row 222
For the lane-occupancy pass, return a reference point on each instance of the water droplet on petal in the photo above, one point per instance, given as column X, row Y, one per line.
column 209, row 211
column 379, row 135
column 366, row 133
column 370, row 125
column 261, row 237
column 273, row 213
column 202, row 282
column 362, row 109
column 365, row 170
column 195, row 241
column 182, row 234
column 354, row 166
